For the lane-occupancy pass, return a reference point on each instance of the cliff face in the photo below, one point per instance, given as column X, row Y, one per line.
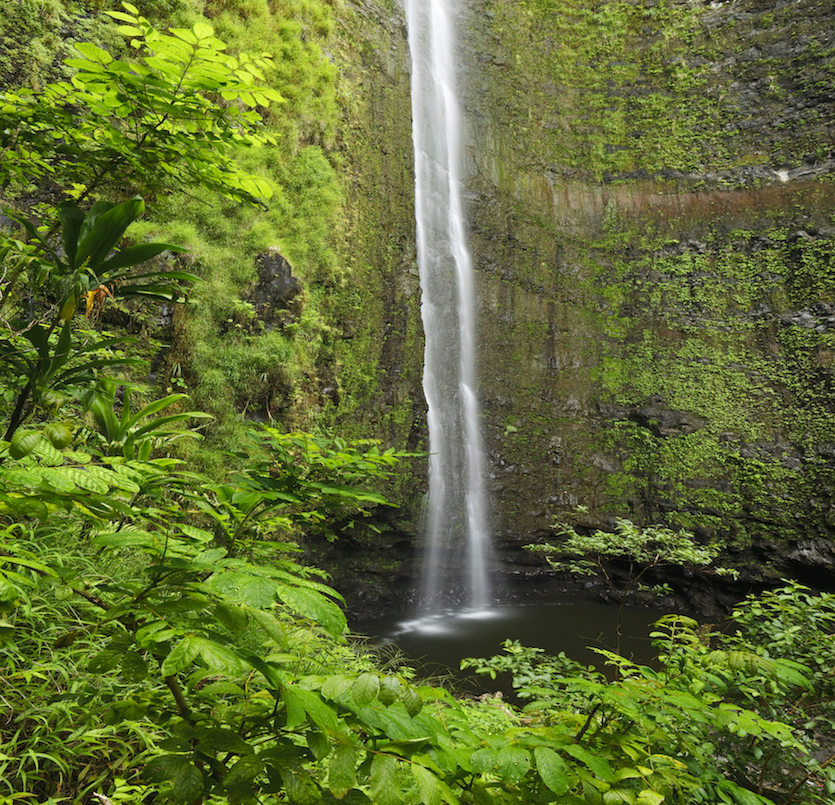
column 651, row 204
column 650, row 192
column 378, row 310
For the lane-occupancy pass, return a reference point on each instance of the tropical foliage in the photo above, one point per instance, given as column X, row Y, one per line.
column 151, row 121
column 640, row 550
column 166, row 644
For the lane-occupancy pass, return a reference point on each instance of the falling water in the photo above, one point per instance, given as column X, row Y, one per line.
column 455, row 567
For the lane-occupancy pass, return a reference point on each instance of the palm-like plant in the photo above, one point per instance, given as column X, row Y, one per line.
column 89, row 266
column 133, row 433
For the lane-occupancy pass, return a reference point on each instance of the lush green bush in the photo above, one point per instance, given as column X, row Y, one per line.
column 158, row 631
column 165, row 644
column 718, row 719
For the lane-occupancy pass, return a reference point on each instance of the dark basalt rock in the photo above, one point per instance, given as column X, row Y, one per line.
column 665, row 422
column 813, row 560
column 655, row 417
column 274, row 293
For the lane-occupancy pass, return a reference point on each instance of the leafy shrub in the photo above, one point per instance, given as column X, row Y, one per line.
column 164, row 645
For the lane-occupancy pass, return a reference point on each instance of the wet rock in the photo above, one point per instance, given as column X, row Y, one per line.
column 814, row 559
column 276, row 289
column 666, row 422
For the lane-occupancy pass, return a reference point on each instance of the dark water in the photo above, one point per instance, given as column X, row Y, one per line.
column 440, row 642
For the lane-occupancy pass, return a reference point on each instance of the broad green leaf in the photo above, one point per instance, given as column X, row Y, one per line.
column 742, row 796
column 299, row 787
column 792, row 673
column 484, row 761
column 210, row 557
column 181, row 656
column 47, row 454
column 187, row 786
column 119, row 15
column 390, row 690
column 200, row 534
column 301, row 703
column 77, row 457
column 203, row 30
column 93, row 52
column 273, row 676
column 134, row 666
column 335, row 687
column 385, row 787
column 107, row 231
column 85, row 480
column 294, row 707
column 59, row 434
column 184, row 34
column 411, row 700
column 218, row 658
column 93, row 214
column 257, row 591
column 513, row 763
column 319, row 745
column 271, row 625
column 58, row 479
column 71, row 217
column 222, row 688
column 165, row 767
column 432, row 790
column 244, row 772
column 150, row 630
column 232, row 617
column 104, row 661
column 649, row 797
column 20, row 477
column 342, row 770
column 315, row 606
column 552, row 769
column 599, row 766
column 218, row 739
column 365, row 688
column 134, row 255
column 23, row 443
column 619, row 796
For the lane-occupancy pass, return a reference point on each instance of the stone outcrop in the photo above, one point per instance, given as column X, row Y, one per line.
column 274, row 292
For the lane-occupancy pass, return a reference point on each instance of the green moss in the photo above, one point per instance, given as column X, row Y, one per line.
column 600, row 100
column 687, row 338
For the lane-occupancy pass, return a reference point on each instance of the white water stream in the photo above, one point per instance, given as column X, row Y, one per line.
column 458, row 541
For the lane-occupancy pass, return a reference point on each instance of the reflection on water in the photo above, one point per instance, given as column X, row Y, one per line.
column 439, row 642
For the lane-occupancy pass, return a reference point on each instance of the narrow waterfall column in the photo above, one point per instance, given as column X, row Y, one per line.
column 455, row 567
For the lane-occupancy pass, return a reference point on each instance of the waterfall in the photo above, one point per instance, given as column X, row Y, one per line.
column 458, row 543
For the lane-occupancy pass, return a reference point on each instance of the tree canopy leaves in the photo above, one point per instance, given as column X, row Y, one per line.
column 168, row 118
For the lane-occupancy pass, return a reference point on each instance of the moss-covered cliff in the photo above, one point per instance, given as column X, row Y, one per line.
column 330, row 355
column 652, row 220
column 309, row 306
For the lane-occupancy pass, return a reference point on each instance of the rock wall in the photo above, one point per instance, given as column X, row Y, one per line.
column 651, row 198
column 651, row 192
column 380, row 355
column 651, row 204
